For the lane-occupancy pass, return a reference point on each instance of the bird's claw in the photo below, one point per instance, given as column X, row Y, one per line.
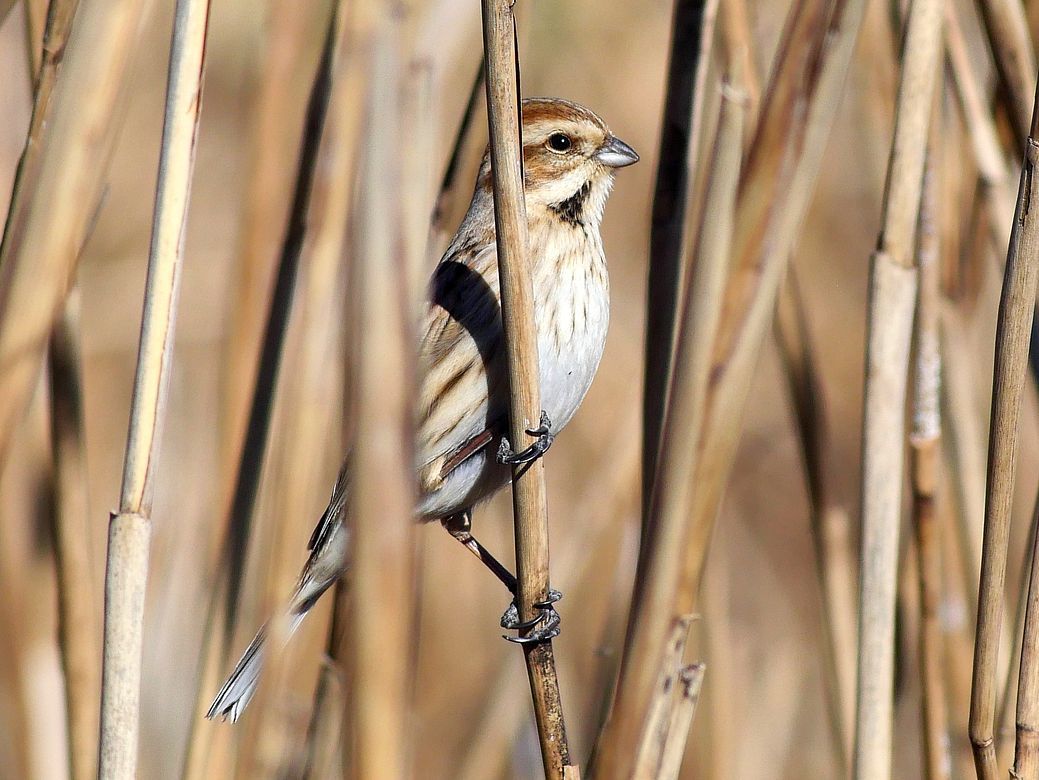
column 534, row 451
column 542, row 627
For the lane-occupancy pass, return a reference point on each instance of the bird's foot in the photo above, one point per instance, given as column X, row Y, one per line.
column 543, row 627
column 534, row 451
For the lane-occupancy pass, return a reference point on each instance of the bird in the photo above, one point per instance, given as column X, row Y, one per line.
column 463, row 456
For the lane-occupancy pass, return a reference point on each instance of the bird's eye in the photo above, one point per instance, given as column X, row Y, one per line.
column 559, row 142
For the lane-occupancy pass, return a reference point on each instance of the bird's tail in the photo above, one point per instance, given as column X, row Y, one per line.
column 240, row 686
column 327, row 561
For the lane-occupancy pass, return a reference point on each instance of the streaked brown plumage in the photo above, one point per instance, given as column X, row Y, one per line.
column 569, row 156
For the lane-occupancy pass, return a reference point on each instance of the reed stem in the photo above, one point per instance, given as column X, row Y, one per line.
column 692, row 37
column 529, row 499
column 78, row 628
column 1011, row 44
column 652, row 618
column 130, row 528
column 1013, row 331
column 925, row 460
column 384, row 313
column 58, row 184
column 893, row 280
column 230, row 555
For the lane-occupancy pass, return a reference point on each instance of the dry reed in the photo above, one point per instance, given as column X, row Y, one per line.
column 892, row 304
column 1026, row 748
column 739, row 47
column 924, row 441
column 5, row 8
column 658, row 732
column 836, row 567
column 79, row 629
column 994, row 186
column 687, row 696
column 130, row 528
column 692, row 39
column 787, row 149
column 787, row 152
column 58, row 186
column 529, row 497
column 228, row 564
column 302, row 467
column 35, row 23
column 273, row 147
column 1011, row 44
column 652, row 618
column 988, row 152
column 1016, row 309
column 383, row 317
column 788, row 146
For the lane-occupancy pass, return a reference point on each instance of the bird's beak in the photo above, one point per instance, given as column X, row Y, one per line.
column 616, row 154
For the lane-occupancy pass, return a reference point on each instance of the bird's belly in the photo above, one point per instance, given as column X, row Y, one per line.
column 569, row 355
column 470, row 482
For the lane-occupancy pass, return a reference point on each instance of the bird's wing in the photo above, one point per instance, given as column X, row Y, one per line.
column 463, row 391
column 460, row 339
column 334, row 511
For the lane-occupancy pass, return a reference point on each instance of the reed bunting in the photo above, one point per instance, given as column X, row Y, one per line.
column 569, row 157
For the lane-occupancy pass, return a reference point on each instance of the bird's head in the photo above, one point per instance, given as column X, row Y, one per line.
column 569, row 156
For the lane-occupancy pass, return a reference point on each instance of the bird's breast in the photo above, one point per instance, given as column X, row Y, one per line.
column 572, row 300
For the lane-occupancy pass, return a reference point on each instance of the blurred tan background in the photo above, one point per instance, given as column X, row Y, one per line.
column 763, row 714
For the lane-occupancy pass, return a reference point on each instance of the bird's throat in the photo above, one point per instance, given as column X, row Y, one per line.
column 571, row 210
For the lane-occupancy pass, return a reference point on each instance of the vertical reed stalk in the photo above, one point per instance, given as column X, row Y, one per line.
column 652, row 618
column 326, row 734
column 1026, row 749
column 965, row 438
column 981, row 126
column 775, row 191
column 889, row 333
column 739, row 48
column 439, row 228
column 671, row 241
column 1011, row 43
column 831, row 535
column 692, row 36
column 266, row 195
column 383, row 321
column 78, row 633
column 488, row 751
column 1016, row 309
column 254, row 448
column 1005, row 728
column 657, row 734
column 924, row 441
column 687, row 696
column 1026, row 646
column 308, row 391
column 230, row 556
column 963, row 444
column 130, row 528
column 529, row 500
column 35, row 22
column 787, row 153
column 58, row 184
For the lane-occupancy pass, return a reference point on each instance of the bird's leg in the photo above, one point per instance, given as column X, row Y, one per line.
column 535, row 450
column 459, row 526
column 545, row 625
